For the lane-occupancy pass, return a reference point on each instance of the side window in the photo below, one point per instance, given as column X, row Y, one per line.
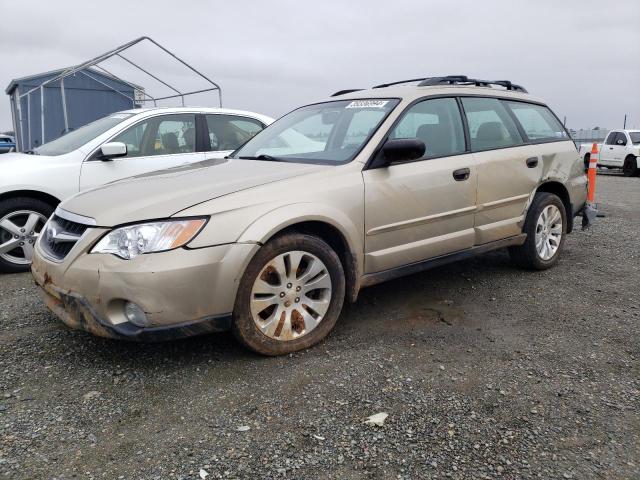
column 437, row 123
column 537, row 121
column 163, row 135
column 228, row 132
column 490, row 125
column 611, row 138
column 132, row 138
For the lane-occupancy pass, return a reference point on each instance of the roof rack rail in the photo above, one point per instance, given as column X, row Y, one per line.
column 464, row 80
column 344, row 92
column 457, row 80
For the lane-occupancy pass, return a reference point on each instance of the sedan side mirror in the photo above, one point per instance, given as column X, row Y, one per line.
column 399, row 150
column 112, row 150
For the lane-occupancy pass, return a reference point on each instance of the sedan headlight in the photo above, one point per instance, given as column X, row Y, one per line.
column 133, row 240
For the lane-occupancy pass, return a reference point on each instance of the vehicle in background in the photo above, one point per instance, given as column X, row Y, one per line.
column 358, row 189
column 621, row 149
column 117, row 146
column 7, row 143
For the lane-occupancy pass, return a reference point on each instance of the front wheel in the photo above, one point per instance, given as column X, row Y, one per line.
column 290, row 295
column 630, row 167
column 546, row 229
column 21, row 221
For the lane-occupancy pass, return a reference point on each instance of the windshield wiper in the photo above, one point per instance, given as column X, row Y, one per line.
column 262, row 156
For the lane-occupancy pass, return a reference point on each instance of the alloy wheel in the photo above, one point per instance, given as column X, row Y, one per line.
column 291, row 295
column 548, row 232
column 19, row 231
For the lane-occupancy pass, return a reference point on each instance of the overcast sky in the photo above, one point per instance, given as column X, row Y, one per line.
column 581, row 56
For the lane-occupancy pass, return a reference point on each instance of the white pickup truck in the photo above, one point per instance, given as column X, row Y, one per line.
column 621, row 149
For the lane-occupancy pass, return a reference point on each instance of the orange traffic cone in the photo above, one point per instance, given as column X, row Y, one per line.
column 591, row 209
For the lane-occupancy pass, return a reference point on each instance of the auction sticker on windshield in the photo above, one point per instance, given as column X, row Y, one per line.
column 367, row 104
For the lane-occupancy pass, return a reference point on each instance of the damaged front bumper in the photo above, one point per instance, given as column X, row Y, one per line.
column 182, row 292
column 76, row 312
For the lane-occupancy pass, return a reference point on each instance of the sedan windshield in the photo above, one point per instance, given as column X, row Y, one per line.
column 635, row 137
column 327, row 133
column 75, row 139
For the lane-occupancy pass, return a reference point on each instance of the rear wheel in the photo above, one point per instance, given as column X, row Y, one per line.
column 630, row 166
column 546, row 228
column 21, row 221
column 290, row 296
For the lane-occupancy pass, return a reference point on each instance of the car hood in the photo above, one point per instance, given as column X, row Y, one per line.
column 163, row 193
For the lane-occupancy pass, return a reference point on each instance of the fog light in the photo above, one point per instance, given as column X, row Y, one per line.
column 135, row 314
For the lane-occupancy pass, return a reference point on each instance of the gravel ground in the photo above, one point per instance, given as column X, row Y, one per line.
column 485, row 371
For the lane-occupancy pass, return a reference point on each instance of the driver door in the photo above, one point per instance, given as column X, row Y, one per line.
column 156, row 143
column 423, row 208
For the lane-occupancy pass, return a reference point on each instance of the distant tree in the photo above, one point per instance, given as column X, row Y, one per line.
column 596, row 128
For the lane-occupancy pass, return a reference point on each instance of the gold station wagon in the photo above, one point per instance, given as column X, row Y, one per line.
column 335, row 196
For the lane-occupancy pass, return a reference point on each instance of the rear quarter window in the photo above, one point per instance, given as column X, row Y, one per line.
column 537, row 121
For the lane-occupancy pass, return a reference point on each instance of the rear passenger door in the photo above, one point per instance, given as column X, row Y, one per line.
column 508, row 170
column 422, row 208
column 226, row 133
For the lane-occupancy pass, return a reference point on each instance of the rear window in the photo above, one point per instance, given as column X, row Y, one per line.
column 537, row 121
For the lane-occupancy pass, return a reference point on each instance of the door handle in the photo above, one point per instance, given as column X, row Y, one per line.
column 610, row 148
column 532, row 162
column 461, row 174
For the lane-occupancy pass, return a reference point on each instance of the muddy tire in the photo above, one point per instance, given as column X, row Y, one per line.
column 630, row 167
column 21, row 220
column 546, row 229
column 290, row 295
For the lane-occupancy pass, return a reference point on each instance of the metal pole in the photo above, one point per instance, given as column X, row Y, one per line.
column 42, row 113
column 29, row 118
column 64, row 106
column 151, row 75
column 189, row 67
column 135, row 87
column 624, row 127
column 20, row 126
column 107, row 85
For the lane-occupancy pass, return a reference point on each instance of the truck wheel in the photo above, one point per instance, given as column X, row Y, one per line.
column 290, row 295
column 546, row 229
column 21, row 221
column 630, row 167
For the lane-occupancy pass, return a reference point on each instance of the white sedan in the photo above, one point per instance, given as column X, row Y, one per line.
column 120, row 145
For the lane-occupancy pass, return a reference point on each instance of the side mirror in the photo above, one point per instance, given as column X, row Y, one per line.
column 400, row 150
column 112, row 150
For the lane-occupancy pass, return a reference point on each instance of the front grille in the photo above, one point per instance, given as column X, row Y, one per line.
column 60, row 236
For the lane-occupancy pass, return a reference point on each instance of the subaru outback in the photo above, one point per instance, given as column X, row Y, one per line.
column 360, row 188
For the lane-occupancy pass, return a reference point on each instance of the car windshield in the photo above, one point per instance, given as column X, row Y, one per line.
column 326, row 133
column 635, row 137
column 75, row 139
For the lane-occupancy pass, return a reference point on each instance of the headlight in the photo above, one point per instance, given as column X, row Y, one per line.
column 133, row 240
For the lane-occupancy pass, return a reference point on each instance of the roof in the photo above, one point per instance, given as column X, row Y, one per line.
column 263, row 118
column 14, row 83
column 413, row 92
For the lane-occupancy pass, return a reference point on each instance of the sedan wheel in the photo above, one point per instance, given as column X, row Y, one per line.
column 18, row 234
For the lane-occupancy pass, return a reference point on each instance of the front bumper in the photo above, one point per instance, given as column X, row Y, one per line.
column 182, row 292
